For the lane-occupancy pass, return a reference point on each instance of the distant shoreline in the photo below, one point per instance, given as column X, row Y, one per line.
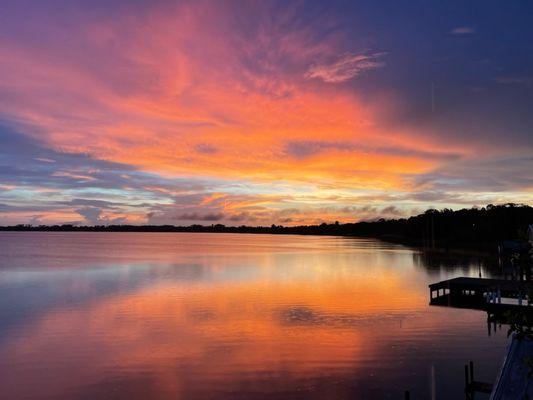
column 472, row 250
column 474, row 229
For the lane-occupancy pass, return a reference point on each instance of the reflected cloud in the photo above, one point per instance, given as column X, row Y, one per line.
column 303, row 315
column 260, row 316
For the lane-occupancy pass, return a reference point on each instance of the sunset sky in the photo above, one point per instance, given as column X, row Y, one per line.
column 261, row 112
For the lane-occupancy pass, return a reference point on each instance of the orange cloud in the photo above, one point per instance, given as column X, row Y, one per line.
column 193, row 91
column 180, row 79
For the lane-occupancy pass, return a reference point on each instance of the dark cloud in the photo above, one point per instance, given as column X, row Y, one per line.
column 205, row 148
column 245, row 217
column 91, row 214
column 392, row 211
column 308, row 148
column 483, row 174
column 207, row 217
column 90, row 203
column 94, row 216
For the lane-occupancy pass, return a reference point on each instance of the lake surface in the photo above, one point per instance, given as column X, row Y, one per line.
column 227, row 316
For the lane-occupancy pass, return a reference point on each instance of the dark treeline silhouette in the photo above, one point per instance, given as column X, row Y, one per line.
column 467, row 228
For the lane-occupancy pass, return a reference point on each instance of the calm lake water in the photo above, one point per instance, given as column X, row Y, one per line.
column 224, row 316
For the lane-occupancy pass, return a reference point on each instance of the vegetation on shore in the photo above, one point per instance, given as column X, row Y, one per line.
column 466, row 228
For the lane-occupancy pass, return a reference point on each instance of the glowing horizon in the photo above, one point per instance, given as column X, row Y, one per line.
column 258, row 113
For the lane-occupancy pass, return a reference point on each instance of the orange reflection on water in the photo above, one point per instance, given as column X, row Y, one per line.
column 263, row 328
column 253, row 322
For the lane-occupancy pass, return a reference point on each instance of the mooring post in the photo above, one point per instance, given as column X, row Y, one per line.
column 471, row 371
column 407, row 395
column 467, row 384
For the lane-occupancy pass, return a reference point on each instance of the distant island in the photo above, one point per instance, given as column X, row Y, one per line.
column 470, row 228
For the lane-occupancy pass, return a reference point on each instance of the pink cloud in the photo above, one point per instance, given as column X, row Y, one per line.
column 347, row 67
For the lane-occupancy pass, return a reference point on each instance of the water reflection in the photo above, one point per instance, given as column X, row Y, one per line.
column 194, row 316
column 437, row 262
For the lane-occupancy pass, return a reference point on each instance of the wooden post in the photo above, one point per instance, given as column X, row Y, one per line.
column 407, row 395
column 467, row 385
column 471, row 371
column 433, row 383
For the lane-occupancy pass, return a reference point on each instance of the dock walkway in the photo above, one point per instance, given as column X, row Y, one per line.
column 515, row 380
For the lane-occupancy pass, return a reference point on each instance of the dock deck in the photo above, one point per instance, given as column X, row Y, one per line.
column 515, row 381
column 497, row 297
column 482, row 285
column 482, row 294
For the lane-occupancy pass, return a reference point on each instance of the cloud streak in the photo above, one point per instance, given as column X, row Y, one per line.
column 346, row 67
column 463, row 30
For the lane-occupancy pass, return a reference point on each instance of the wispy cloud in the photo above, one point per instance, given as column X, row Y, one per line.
column 348, row 66
column 463, row 30
column 309, row 148
column 514, row 80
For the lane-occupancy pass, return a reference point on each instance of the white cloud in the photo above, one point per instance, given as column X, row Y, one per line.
column 346, row 67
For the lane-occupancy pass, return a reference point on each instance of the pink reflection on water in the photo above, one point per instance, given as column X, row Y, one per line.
column 310, row 318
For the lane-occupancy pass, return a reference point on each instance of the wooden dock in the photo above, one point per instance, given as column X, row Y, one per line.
column 515, row 381
column 502, row 300
column 472, row 386
column 473, row 286
column 496, row 296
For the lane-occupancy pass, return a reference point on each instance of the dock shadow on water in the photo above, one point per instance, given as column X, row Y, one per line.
column 223, row 316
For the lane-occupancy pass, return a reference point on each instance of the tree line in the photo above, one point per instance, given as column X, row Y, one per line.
column 473, row 227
